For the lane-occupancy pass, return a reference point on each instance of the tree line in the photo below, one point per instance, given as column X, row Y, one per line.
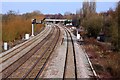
column 106, row 23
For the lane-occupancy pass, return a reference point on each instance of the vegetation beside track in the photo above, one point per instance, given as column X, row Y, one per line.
column 105, row 55
column 15, row 26
column 105, row 62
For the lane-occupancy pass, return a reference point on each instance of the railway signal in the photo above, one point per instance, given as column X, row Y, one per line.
column 33, row 22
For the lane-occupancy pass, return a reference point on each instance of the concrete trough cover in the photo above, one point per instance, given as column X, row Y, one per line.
column 5, row 46
column 27, row 36
column 78, row 36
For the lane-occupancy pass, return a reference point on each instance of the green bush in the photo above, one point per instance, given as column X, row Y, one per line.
column 93, row 25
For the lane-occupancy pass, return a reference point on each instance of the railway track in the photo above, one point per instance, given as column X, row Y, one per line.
column 70, row 67
column 14, row 58
column 6, row 55
column 32, row 63
column 24, row 43
column 38, row 60
column 16, row 63
column 71, row 64
column 51, row 49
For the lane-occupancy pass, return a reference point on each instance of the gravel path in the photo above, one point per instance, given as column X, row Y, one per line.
column 83, row 67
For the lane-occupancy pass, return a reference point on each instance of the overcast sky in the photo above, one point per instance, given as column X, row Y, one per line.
column 52, row 7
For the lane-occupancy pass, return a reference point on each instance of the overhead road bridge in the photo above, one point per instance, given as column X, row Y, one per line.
column 55, row 21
